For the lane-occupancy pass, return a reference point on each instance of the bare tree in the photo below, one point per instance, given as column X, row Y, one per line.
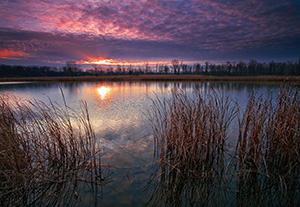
column 161, row 69
column 206, row 67
column 175, row 65
column 147, row 67
column 167, row 69
column 197, row 67
column 184, row 67
column 71, row 68
column 97, row 69
column 119, row 69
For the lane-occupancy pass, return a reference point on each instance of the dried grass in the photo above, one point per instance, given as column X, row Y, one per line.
column 191, row 133
column 190, row 138
column 268, row 150
column 44, row 150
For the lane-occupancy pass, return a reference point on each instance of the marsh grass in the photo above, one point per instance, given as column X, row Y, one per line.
column 46, row 149
column 268, row 150
column 196, row 166
column 190, row 136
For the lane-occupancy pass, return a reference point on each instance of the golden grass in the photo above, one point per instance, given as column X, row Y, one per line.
column 46, row 151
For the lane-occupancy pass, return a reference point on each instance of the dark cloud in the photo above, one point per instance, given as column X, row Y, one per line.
column 45, row 31
column 44, row 46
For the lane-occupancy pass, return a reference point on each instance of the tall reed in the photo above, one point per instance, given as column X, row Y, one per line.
column 190, row 135
column 268, row 150
column 45, row 148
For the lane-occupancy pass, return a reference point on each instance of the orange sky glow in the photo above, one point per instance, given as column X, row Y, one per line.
column 108, row 62
column 127, row 32
column 12, row 54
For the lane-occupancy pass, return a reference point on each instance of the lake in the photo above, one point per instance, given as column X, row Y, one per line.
column 119, row 116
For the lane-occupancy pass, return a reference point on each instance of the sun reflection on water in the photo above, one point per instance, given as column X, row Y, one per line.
column 103, row 91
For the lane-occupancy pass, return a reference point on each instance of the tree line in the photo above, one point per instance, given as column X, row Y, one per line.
column 240, row 68
column 70, row 69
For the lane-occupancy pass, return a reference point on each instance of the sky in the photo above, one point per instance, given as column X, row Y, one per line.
column 51, row 32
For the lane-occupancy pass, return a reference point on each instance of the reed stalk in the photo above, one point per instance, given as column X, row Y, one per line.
column 191, row 140
column 45, row 148
column 190, row 134
column 268, row 150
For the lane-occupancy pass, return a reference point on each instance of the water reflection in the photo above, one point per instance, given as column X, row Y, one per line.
column 196, row 170
column 103, row 91
column 189, row 189
column 117, row 112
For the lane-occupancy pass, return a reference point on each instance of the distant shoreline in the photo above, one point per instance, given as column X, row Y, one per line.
column 133, row 78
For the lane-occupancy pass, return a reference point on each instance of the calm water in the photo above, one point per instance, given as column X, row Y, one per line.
column 118, row 116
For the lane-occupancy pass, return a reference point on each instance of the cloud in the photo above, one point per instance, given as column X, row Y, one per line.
column 12, row 54
column 186, row 29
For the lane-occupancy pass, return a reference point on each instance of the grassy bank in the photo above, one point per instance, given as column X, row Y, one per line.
column 295, row 79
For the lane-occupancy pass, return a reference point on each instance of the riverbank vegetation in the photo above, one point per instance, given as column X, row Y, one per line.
column 162, row 78
column 211, row 152
column 252, row 68
column 48, row 154
column 204, row 161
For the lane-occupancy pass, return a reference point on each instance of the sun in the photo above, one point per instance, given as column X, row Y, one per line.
column 103, row 91
column 103, row 62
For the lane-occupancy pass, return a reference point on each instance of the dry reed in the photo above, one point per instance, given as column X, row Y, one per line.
column 268, row 150
column 191, row 133
column 44, row 150
column 190, row 137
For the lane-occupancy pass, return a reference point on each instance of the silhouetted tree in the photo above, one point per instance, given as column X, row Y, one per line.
column 147, row 68
column 97, row 69
column 184, row 68
column 252, row 67
column 175, row 66
column 206, row 68
column 241, row 68
column 167, row 69
column 72, row 68
column 198, row 68
column 161, row 69
column 212, row 70
column 119, row 69
column 229, row 68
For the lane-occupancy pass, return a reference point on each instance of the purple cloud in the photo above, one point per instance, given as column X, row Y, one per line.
column 45, row 31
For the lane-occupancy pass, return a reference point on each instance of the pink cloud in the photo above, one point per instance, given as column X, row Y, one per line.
column 197, row 26
column 12, row 54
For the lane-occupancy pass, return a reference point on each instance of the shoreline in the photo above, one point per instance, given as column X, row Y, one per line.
column 135, row 78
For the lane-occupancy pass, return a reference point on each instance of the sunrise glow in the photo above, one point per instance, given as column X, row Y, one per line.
column 10, row 53
column 147, row 32
column 108, row 62
column 103, row 62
